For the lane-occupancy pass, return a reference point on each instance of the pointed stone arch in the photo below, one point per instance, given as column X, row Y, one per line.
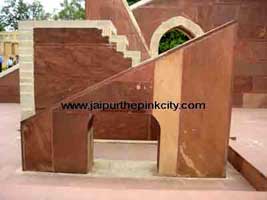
column 187, row 26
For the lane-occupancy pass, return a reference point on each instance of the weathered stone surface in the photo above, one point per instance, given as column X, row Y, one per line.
column 167, row 87
column 71, row 142
column 207, row 77
column 37, row 143
column 71, row 62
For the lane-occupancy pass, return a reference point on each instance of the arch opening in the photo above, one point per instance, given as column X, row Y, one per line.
column 185, row 26
column 173, row 38
column 116, row 155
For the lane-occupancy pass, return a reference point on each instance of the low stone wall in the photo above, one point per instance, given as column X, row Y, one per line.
column 9, row 86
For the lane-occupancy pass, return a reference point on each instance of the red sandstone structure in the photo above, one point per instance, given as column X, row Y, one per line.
column 9, row 85
column 149, row 153
column 154, row 18
column 170, row 77
column 113, row 56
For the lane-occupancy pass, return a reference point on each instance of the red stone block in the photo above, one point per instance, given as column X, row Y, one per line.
column 71, row 61
column 36, row 139
column 9, row 88
column 207, row 77
column 71, row 142
column 122, row 126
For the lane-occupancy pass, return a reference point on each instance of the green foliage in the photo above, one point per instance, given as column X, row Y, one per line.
column 12, row 12
column 71, row 10
column 130, row 2
column 37, row 12
column 16, row 10
column 171, row 39
column 2, row 28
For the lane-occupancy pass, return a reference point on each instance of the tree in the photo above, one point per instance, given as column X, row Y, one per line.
column 172, row 39
column 12, row 12
column 37, row 12
column 2, row 28
column 71, row 10
column 16, row 10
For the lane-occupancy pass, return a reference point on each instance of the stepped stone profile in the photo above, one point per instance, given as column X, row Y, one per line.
column 112, row 56
column 157, row 98
column 106, row 59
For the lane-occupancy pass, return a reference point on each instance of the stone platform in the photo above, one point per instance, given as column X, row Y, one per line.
column 248, row 149
column 131, row 161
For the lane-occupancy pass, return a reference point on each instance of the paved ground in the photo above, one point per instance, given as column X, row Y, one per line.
column 76, row 193
column 250, row 129
column 15, row 184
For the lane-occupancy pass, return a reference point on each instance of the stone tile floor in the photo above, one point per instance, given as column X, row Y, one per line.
column 249, row 126
column 15, row 184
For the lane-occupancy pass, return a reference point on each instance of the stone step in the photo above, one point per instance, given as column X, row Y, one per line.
column 26, row 99
column 26, row 57
column 26, row 80
column 26, row 50
column 25, row 93
column 25, row 35
column 27, row 87
column 26, row 43
column 26, row 74
column 121, row 42
column 27, row 66
column 134, row 55
column 108, row 32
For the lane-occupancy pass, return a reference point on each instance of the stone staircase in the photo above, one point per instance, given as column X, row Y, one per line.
column 122, row 43
column 26, row 51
